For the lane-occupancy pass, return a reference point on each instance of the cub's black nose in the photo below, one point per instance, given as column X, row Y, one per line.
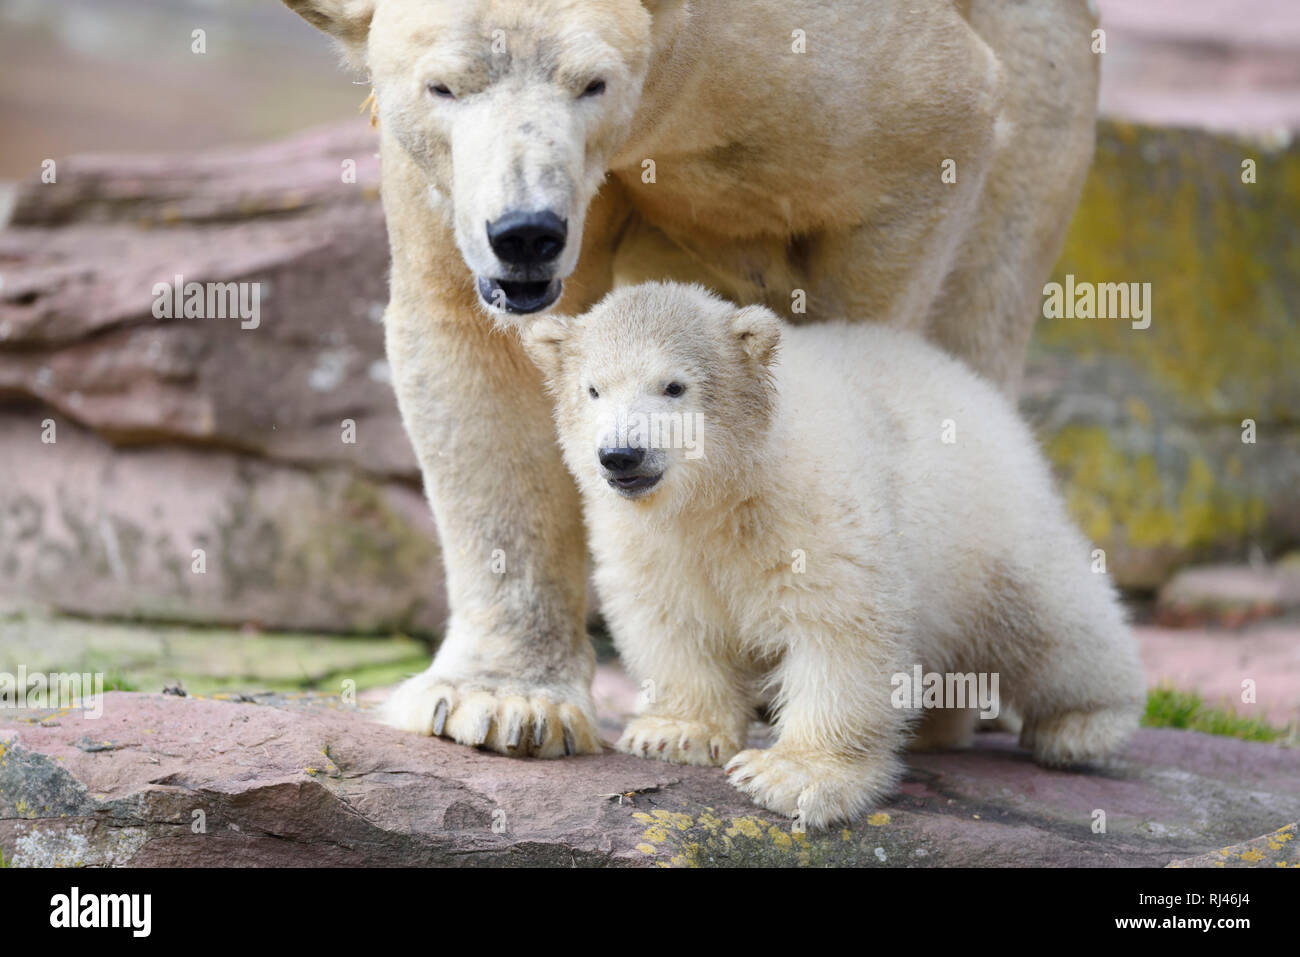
column 621, row 461
column 527, row 239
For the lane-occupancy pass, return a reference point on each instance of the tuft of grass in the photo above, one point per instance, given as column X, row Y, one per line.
column 117, row 681
column 1170, row 708
column 3, row 862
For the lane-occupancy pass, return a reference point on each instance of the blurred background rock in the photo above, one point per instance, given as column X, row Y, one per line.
column 225, row 166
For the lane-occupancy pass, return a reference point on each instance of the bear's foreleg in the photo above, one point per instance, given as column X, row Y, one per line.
column 514, row 670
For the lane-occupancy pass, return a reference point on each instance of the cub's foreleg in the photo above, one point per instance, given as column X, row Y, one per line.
column 838, row 733
column 696, row 697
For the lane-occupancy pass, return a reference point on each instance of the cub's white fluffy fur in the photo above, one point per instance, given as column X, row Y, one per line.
column 863, row 504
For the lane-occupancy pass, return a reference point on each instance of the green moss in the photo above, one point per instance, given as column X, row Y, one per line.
column 689, row 838
column 1223, row 258
column 373, row 676
column 1127, row 500
column 149, row 657
column 1168, row 708
column 1146, row 424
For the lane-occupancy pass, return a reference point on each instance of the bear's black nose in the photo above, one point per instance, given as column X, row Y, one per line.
column 621, row 461
column 527, row 239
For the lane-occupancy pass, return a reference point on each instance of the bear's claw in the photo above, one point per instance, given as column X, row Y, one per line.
column 440, row 717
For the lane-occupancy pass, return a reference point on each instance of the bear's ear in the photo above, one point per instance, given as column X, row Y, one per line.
column 347, row 21
column 758, row 331
column 544, row 340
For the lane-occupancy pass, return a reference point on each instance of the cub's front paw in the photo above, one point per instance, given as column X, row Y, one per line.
column 678, row 741
column 518, row 719
column 818, row 788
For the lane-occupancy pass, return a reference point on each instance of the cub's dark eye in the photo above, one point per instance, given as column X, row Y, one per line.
column 594, row 88
column 674, row 389
column 591, row 391
column 441, row 89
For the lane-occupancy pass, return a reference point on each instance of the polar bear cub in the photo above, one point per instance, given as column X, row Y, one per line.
column 798, row 516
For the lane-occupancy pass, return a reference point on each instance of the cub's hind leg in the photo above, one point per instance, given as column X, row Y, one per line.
column 1069, row 663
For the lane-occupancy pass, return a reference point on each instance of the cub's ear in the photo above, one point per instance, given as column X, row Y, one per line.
column 544, row 341
column 758, row 330
column 347, row 21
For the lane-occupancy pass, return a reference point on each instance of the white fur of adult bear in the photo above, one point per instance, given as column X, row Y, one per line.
column 898, row 162
column 955, row 555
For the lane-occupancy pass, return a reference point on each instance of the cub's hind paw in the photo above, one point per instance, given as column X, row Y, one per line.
column 1078, row 737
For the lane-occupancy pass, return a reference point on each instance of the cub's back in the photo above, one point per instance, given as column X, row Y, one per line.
column 868, row 381
column 879, row 413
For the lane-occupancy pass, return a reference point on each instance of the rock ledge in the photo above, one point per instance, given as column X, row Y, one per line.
column 161, row 780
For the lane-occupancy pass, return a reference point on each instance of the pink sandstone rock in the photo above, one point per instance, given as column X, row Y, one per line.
column 161, row 780
column 1215, row 663
column 1229, row 67
column 1229, row 594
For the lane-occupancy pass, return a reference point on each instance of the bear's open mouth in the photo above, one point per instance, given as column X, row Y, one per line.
column 635, row 483
column 519, row 297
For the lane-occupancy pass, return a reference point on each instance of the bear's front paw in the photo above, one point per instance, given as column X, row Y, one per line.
column 678, row 741
column 817, row 788
column 543, row 721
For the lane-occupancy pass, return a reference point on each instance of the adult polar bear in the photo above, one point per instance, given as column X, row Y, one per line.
column 792, row 155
